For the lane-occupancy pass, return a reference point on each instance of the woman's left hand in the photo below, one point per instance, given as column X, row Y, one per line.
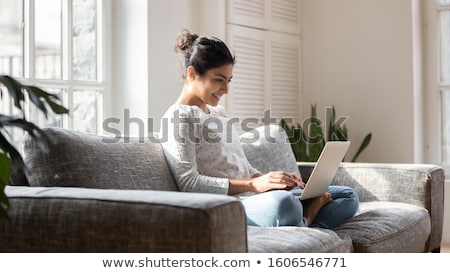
column 298, row 180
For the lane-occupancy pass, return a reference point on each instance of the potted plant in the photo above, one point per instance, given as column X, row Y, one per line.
column 10, row 158
column 307, row 143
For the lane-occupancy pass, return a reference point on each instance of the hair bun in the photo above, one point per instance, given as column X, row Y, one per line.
column 185, row 41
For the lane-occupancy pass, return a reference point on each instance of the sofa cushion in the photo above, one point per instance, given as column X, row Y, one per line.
column 99, row 220
column 268, row 149
column 289, row 239
column 387, row 227
column 92, row 161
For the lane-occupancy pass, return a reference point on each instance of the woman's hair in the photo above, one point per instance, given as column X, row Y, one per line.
column 203, row 53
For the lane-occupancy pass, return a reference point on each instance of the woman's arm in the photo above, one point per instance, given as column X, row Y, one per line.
column 261, row 183
column 180, row 152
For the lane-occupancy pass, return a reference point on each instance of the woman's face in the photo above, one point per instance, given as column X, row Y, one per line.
column 210, row 87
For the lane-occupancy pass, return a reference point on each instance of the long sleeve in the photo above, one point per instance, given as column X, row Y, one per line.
column 183, row 134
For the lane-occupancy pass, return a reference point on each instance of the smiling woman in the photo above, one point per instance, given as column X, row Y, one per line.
column 207, row 89
column 207, row 69
column 205, row 154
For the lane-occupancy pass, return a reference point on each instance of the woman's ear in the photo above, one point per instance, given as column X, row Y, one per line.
column 191, row 74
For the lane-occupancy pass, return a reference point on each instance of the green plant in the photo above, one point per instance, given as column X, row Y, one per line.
column 10, row 158
column 308, row 142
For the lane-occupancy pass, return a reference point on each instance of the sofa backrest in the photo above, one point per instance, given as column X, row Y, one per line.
column 92, row 161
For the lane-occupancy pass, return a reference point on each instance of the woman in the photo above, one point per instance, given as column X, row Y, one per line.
column 205, row 154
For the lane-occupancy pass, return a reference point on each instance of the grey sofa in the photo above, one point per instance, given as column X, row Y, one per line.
column 96, row 194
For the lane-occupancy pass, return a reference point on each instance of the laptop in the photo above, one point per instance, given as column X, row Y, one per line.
column 323, row 173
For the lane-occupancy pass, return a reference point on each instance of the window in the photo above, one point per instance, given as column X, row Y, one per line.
column 59, row 46
column 444, row 77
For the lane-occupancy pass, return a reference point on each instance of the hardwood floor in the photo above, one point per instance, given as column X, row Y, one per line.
column 445, row 248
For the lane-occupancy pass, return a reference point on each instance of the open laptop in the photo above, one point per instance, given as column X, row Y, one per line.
column 323, row 173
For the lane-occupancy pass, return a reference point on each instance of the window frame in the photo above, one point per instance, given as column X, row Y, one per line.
column 67, row 83
column 433, row 85
column 441, row 85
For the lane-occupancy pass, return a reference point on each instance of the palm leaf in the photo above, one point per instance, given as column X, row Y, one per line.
column 41, row 137
column 10, row 158
column 4, row 176
column 37, row 95
column 5, row 170
column 15, row 90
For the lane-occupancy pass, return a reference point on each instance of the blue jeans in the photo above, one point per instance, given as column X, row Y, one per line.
column 282, row 208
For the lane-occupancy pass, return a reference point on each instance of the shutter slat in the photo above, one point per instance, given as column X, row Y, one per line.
column 285, row 83
column 248, row 81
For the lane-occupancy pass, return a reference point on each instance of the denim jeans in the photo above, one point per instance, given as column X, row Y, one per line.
column 283, row 208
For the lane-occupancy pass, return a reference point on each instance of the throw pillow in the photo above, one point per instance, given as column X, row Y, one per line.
column 93, row 161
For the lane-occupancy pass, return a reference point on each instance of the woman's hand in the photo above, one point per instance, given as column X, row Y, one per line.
column 276, row 181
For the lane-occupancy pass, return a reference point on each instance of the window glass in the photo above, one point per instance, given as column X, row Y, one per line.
column 85, row 40
column 86, row 104
column 11, row 33
column 443, row 2
column 48, row 39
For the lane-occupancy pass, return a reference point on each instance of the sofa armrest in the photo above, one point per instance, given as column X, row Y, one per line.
column 417, row 184
column 97, row 220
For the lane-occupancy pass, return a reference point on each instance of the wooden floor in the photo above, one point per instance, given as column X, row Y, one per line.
column 445, row 248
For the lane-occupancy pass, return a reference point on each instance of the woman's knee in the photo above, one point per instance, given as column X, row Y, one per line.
column 353, row 197
column 281, row 201
column 288, row 207
column 346, row 197
column 343, row 192
column 344, row 206
column 275, row 208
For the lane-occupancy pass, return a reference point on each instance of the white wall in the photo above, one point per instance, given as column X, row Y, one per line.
column 358, row 56
column 166, row 19
column 145, row 71
column 129, row 68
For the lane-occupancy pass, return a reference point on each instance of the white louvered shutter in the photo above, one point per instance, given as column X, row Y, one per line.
column 253, row 13
column 247, row 93
column 285, row 76
column 265, row 36
column 285, row 16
